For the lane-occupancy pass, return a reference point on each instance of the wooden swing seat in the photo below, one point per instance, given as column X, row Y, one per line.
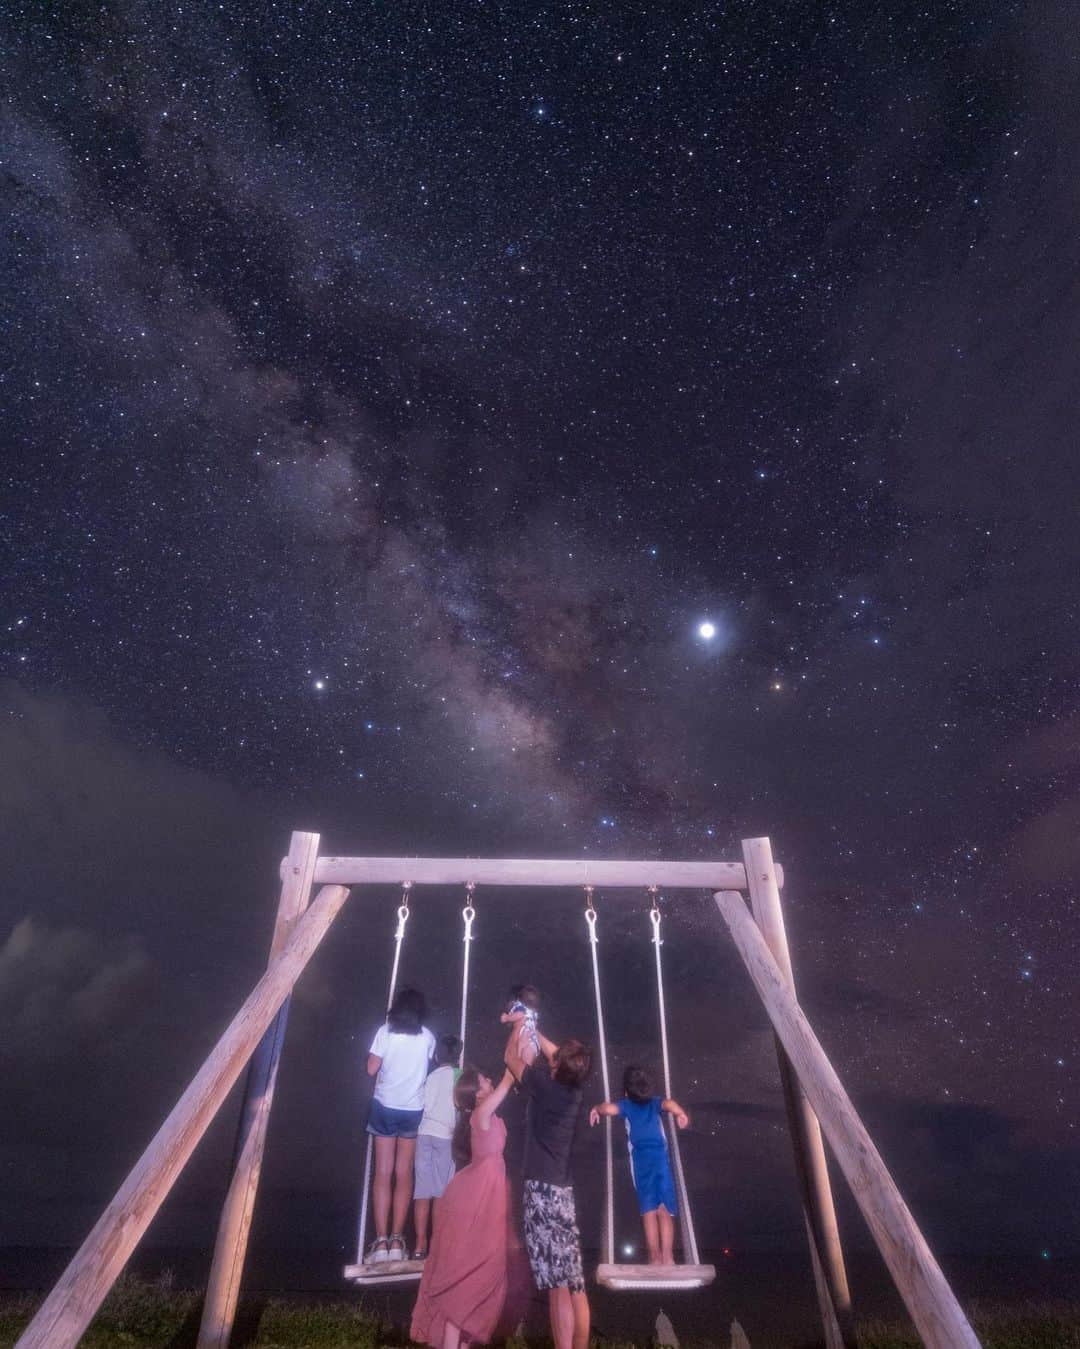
column 385, row 1271
column 626, row 1278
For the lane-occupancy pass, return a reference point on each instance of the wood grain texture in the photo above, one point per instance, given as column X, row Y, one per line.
column 930, row 1301
column 811, row 1167
column 234, row 1225
column 386, row 1271
column 71, row 1305
column 650, row 1278
column 571, row 872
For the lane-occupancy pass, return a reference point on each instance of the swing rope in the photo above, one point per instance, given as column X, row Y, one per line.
column 369, row 1157
column 686, row 1221
column 468, row 913
column 609, row 1161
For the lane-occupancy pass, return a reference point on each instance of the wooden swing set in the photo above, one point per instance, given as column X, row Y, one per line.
column 814, row 1098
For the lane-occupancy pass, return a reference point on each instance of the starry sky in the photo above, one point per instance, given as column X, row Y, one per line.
column 391, row 394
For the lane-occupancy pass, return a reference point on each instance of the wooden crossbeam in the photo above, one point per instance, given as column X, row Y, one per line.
column 510, row 871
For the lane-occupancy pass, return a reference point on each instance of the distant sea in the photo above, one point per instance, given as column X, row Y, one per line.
column 771, row 1295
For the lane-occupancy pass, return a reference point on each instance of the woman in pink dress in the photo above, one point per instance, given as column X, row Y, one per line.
column 474, row 1251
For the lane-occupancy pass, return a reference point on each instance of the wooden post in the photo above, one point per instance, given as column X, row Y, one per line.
column 938, row 1317
column 234, row 1226
column 811, row 1168
column 69, row 1308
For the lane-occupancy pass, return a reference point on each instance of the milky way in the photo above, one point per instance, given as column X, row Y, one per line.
column 549, row 430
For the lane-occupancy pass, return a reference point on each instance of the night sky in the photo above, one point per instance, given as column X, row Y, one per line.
column 391, row 393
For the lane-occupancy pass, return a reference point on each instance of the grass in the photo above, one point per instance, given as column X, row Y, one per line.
column 1029, row 1325
column 157, row 1315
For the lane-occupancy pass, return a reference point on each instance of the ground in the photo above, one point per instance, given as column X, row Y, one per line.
column 157, row 1315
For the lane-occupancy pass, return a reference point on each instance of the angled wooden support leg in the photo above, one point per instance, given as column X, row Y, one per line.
column 234, row 1226
column 932, row 1304
column 71, row 1305
column 811, row 1168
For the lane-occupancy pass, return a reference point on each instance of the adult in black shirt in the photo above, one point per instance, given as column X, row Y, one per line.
column 553, row 1083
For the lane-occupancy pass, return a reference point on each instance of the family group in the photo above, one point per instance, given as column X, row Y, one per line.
column 439, row 1145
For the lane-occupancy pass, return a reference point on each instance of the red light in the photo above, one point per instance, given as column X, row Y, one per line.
column 727, row 1250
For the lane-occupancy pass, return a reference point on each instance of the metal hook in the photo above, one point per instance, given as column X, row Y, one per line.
column 403, row 907
column 590, row 912
column 654, row 913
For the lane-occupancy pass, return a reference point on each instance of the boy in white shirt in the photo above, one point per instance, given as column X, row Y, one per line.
column 434, row 1153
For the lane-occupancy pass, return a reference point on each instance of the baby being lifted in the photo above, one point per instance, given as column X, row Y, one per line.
column 523, row 1013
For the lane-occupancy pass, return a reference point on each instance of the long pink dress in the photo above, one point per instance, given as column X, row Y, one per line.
column 474, row 1250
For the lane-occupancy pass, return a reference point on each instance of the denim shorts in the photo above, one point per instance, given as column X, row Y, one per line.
column 386, row 1122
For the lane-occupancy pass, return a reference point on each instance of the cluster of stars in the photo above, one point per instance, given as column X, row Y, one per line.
column 533, row 434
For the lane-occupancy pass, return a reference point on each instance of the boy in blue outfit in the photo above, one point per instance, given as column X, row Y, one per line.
column 650, row 1165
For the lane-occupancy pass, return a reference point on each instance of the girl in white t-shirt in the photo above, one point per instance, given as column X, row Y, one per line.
column 398, row 1060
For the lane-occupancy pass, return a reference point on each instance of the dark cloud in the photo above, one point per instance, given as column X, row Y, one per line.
column 61, row 990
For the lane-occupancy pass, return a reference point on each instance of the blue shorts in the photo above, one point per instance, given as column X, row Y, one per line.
column 386, row 1122
column 653, row 1179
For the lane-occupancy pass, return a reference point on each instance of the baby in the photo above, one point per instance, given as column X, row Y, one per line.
column 523, row 1013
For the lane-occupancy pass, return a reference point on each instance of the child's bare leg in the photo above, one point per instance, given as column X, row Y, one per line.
column 652, row 1236
column 380, row 1189
column 666, row 1224
column 404, row 1164
column 422, row 1219
column 451, row 1336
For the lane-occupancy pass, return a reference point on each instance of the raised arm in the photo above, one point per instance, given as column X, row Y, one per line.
column 547, row 1047
column 682, row 1119
column 604, row 1108
column 483, row 1110
column 515, row 1061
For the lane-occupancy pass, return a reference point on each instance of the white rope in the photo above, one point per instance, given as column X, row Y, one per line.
column 686, row 1220
column 654, row 915
column 468, row 913
column 609, row 1163
column 369, row 1157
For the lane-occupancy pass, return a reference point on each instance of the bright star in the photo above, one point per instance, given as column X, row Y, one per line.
column 320, row 684
column 706, row 631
